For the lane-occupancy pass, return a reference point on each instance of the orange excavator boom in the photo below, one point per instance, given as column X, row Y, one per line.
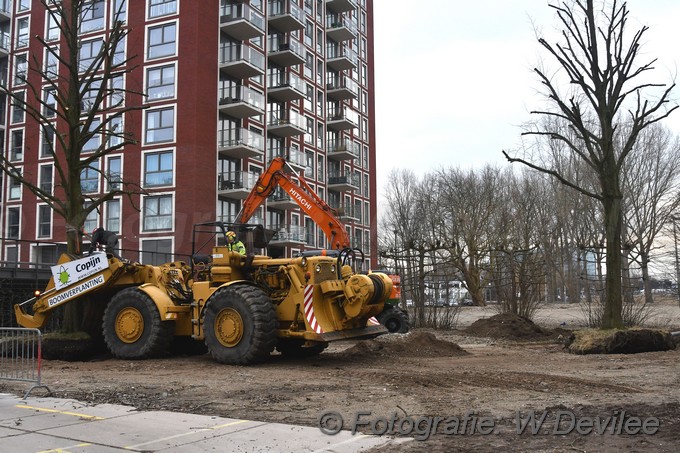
column 302, row 193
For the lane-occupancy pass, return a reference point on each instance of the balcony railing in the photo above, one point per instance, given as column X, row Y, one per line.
column 341, row 6
column 286, row 124
column 240, row 143
column 241, row 101
column 236, row 180
column 241, row 61
column 285, row 86
column 285, row 51
column 293, row 156
column 340, row 57
column 342, row 182
column 241, row 21
column 285, row 16
column 342, row 119
column 343, row 149
column 289, row 233
column 341, row 28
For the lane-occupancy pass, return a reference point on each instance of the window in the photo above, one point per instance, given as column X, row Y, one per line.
column 160, row 82
column 24, row 5
column 22, row 32
column 89, row 179
column 14, row 186
column 91, row 221
column 112, row 222
column 89, row 50
column 18, row 112
column 159, row 8
column 51, row 68
column 119, row 53
column 11, row 255
column 17, row 144
column 47, row 142
column 117, row 91
column 116, row 132
column 119, row 11
column 160, row 125
column 44, row 221
column 52, row 26
column 157, row 213
column 161, row 41
column 92, row 16
column 45, row 182
column 13, row 222
column 158, row 169
column 89, row 99
column 156, row 251
column 95, row 141
column 20, row 69
column 114, row 173
column 49, row 103
column 320, row 172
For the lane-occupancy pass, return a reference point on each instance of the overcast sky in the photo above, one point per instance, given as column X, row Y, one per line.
column 454, row 78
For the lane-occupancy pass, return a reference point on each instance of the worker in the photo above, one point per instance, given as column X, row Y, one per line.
column 107, row 239
column 234, row 244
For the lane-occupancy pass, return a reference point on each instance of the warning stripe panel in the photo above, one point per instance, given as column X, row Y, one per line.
column 309, row 309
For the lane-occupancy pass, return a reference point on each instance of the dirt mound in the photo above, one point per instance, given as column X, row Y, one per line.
column 631, row 341
column 412, row 344
column 507, row 325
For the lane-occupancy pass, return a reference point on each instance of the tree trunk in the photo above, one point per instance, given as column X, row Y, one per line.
column 611, row 317
column 646, row 282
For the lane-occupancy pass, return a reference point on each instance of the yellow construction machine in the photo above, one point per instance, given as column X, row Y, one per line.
column 241, row 307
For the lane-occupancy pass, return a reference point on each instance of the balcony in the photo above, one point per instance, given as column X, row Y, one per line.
column 286, row 126
column 5, row 11
column 340, row 28
column 285, row 87
column 342, row 120
column 346, row 213
column 240, row 102
column 342, row 89
column 240, row 143
column 343, row 149
column 241, row 22
column 285, row 52
column 254, row 220
column 280, row 199
column 296, row 158
column 341, row 58
column 240, row 62
column 344, row 183
column 285, row 16
column 5, row 44
column 341, row 6
column 235, row 185
column 292, row 235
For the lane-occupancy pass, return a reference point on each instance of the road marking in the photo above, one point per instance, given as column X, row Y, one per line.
column 189, row 433
column 75, row 414
column 64, row 449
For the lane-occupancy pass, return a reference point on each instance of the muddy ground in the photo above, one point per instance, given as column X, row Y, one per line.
column 423, row 374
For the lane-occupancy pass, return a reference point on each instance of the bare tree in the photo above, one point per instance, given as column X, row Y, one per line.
column 78, row 102
column 607, row 84
column 651, row 196
column 81, row 103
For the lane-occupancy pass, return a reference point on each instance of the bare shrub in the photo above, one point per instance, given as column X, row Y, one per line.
column 443, row 318
column 635, row 314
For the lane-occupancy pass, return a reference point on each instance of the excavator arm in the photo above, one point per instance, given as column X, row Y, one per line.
column 322, row 214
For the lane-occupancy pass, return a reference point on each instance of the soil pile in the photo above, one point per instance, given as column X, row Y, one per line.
column 631, row 341
column 412, row 344
column 507, row 325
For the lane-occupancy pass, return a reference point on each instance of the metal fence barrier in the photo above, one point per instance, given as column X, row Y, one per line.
column 21, row 356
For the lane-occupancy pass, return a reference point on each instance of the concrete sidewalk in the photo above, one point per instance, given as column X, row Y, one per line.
column 52, row 424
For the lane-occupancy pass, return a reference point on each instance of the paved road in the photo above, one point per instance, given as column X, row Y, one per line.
column 62, row 425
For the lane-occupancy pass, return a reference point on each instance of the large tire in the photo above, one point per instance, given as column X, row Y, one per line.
column 133, row 328
column 297, row 348
column 240, row 325
column 395, row 320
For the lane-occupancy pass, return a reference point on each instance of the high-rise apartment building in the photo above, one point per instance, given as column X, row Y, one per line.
column 228, row 85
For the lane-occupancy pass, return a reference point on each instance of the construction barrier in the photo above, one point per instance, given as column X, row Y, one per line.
column 21, row 356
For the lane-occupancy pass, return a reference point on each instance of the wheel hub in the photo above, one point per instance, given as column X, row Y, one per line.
column 229, row 327
column 129, row 325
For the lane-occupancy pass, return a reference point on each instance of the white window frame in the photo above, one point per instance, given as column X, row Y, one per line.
column 40, row 174
column 107, row 171
column 147, row 38
column 99, row 22
column 142, row 224
column 95, row 166
column 12, row 186
column 52, row 24
column 107, row 212
column 7, row 233
column 173, row 172
column 145, row 129
column 38, row 221
column 156, row 238
column 160, row 67
column 22, row 41
column 151, row 3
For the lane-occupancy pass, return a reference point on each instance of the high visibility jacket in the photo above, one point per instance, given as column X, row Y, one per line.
column 237, row 246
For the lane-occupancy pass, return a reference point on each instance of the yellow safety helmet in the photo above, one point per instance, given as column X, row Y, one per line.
column 231, row 236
